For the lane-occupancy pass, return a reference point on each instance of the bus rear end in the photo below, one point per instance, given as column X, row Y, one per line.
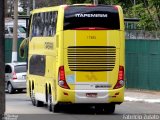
column 93, row 55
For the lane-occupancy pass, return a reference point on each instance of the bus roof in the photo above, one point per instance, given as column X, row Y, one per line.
column 73, row 5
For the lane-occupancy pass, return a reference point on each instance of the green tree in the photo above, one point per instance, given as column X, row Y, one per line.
column 147, row 10
column 149, row 13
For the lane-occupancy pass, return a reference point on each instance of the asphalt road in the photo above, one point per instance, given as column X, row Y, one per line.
column 19, row 106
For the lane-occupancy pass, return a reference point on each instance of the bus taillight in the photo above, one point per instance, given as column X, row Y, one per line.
column 120, row 81
column 61, row 78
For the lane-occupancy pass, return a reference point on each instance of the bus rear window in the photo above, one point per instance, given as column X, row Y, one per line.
column 102, row 17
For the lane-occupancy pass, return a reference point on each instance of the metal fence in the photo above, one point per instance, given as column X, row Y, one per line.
column 142, row 34
column 143, row 64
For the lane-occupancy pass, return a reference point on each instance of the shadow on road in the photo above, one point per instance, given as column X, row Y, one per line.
column 16, row 92
column 83, row 109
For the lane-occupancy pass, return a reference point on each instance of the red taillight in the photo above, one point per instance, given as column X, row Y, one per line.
column 61, row 78
column 14, row 76
column 121, row 73
column 120, row 81
column 61, row 73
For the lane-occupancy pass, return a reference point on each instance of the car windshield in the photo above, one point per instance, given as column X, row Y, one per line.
column 21, row 29
column 20, row 68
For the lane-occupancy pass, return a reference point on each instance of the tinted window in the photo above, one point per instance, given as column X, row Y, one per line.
column 106, row 17
column 44, row 24
column 8, row 69
column 37, row 65
column 20, row 68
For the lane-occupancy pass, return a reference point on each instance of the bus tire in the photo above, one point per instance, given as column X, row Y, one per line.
column 49, row 102
column 39, row 103
column 56, row 108
column 29, row 88
column 33, row 100
column 109, row 109
column 99, row 109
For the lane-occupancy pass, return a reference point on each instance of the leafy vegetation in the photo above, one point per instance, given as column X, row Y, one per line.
column 147, row 10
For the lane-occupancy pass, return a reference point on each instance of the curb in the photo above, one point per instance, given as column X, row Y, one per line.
column 131, row 99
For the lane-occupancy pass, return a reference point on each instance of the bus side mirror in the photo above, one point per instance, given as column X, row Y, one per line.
column 23, row 48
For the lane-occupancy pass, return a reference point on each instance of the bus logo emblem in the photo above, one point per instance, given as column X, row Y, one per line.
column 91, row 76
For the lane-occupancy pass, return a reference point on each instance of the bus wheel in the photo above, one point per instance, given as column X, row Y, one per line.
column 30, row 89
column 49, row 102
column 109, row 109
column 56, row 108
column 99, row 109
column 39, row 103
column 33, row 98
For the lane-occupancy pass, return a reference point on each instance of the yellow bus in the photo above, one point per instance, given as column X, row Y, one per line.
column 76, row 56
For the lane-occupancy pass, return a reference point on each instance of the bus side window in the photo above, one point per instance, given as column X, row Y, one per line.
column 47, row 21
column 37, row 65
column 36, row 25
column 51, row 23
column 50, row 31
column 45, row 30
column 54, row 22
column 44, row 24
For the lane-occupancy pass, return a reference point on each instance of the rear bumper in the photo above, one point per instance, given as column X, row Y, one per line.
column 79, row 96
column 19, row 84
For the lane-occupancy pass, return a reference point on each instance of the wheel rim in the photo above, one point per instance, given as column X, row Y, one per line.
column 9, row 88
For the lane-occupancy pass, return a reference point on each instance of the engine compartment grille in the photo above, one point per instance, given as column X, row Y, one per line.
column 91, row 58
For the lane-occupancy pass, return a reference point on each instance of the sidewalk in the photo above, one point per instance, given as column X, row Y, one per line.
column 142, row 96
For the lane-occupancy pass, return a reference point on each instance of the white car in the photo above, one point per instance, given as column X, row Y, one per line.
column 15, row 76
column 9, row 31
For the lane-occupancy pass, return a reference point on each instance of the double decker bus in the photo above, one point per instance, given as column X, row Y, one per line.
column 76, row 56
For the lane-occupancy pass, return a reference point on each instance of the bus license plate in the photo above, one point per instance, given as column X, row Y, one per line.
column 91, row 94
